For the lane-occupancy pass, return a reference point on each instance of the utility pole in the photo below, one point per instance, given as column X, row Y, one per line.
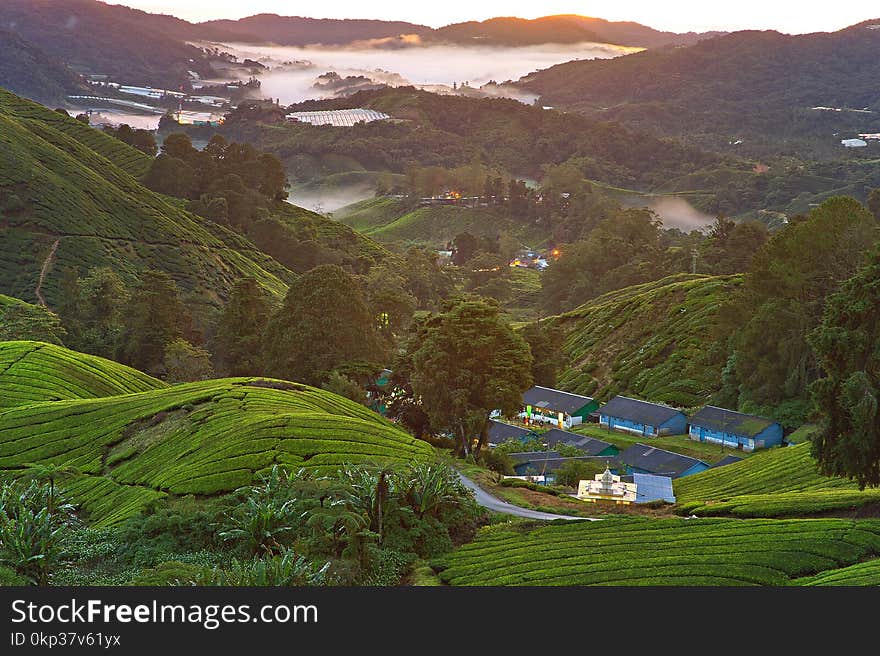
column 694, row 255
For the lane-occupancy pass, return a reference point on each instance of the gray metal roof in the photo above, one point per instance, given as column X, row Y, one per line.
column 726, row 460
column 657, row 461
column 730, row 421
column 653, row 488
column 555, row 400
column 589, row 445
column 500, row 432
column 550, row 461
column 640, row 412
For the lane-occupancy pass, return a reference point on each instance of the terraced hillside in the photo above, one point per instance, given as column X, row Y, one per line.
column 200, row 438
column 390, row 220
column 32, row 372
column 20, row 320
column 653, row 341
column 779, row 482
column 638, row 551
column 64, row 184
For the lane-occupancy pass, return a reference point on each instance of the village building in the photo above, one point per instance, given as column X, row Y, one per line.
column 499, row 433
column 340, row 118
column 734, row 429
column 644, row 459
column 563, row 409
column 607, row 488
column 726, row 460
column 590, row 446
column 544, row 463
column 641, row 417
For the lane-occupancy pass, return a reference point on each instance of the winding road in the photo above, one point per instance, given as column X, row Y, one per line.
column 497, row 505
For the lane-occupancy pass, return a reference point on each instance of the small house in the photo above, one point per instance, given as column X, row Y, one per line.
column 726, row 460
column 607, row 488
column 641, row 418
column 499, row 433
column 563, row 409
column 589, row 445
column 644, row 459
column 734, row 429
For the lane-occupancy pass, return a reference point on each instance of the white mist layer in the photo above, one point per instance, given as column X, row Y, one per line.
column 434, row 67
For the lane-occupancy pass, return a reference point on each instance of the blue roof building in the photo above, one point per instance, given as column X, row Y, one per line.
column 644, row 459
column 499, row 432
column 642, row 418
column 734, row 429
column 589, row 445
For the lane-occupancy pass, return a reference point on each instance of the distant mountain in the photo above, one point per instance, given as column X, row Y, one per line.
column 299, row 31
column 570, row 28
column 92, row 37
column 28, row 71
column 753, row 83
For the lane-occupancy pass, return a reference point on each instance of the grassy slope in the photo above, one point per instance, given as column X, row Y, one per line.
column 390, row 220
column 199, row 438
column 661, row 552
column 32, row 372
column 77, row 185
column 651, row 340
column 778, row 482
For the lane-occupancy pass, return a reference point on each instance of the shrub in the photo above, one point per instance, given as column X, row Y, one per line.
column 168, row 573
column 283, row 569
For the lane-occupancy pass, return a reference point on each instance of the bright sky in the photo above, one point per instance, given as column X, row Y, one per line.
column 792, row 16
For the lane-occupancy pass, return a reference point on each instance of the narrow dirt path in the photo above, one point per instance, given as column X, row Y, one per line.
column 50, row 258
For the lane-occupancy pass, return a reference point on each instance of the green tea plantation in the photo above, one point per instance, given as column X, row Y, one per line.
column 131, row 439
column 636, row 551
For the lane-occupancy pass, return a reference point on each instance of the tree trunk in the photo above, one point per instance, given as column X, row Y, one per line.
column 484, row 436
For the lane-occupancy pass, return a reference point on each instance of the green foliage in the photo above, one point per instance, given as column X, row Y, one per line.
column 573, row 471
column 78, row 186
column 33, row 526
column 783, row 297
column 154, row 319
column 284, row 569
column 848, row 440
column 31, row 372
column 323, row 323
column 185, row 363
column 240, row 329
column 636, row 551
column 92, row 309
column 168, row 573
column 133, row 446
column 545, row 342
column 653, row 341
column 778, row 482
column 464, row 363
column 23, row 321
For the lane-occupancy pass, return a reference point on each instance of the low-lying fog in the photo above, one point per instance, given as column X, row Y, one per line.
column 673, row 211
column 294, row 70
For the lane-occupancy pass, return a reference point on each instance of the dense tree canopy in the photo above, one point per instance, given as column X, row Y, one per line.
column 848, row 395
column 324, row 323
column 464, row 363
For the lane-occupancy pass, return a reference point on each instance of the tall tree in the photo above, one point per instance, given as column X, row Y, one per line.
column 466, row 362
column 848, row 396
column 155, row 317
column 783, row 298
column 545, row 343
column 323, row 323
column 240, row 329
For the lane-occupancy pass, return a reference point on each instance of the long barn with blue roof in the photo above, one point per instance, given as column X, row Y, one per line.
column 641, row 417
column 734, row 429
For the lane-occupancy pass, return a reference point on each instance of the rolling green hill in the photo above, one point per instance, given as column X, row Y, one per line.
column 31, row 372
column 198, row 438
column 20, row 320
column 391, row 220
column 69, row 198
column 631, row 551
column 778, row 482
column 27, row 70
column 653, row 341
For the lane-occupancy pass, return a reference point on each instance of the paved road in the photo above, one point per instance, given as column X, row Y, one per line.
column 497, row 505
